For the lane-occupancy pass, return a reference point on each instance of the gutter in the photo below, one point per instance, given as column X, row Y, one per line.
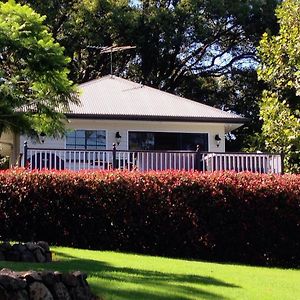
column 239, row 120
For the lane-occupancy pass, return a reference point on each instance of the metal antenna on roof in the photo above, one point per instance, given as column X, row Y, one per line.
column 111, row 49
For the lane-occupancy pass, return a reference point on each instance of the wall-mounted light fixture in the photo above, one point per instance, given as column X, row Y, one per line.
column 118, row 138
column 42, row 137
column 218, row 140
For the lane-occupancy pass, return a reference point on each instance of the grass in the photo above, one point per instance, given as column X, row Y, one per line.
column 120, row 276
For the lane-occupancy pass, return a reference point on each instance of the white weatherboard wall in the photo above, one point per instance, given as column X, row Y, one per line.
column 112, row 126
column 8, row 145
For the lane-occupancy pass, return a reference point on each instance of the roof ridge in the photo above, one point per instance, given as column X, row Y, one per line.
column 93, row 80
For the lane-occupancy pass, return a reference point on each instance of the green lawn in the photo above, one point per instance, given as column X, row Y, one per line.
column 126, row 276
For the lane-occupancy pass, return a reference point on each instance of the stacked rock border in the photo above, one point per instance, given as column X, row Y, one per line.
column 46, row 285
column 26, row 252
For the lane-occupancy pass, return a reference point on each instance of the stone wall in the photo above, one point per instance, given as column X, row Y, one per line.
column 46, row 285
column 26, row 252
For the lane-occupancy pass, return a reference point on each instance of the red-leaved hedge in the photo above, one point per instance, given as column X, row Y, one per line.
column 242, row 217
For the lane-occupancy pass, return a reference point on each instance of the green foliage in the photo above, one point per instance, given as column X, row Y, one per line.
column 280, row 54
column 281, row 129
column 188, row 36
column 204, row 50
column 178, row 39
column 34, row 84
column 79, row 24
column 280, row 69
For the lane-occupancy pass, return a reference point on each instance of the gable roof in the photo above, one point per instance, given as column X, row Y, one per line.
column 111, row 97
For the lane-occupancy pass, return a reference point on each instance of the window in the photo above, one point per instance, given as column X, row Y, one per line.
column 167, row 141
column 86, row 139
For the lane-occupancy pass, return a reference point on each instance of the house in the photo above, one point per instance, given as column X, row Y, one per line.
column 7, row 145
column 145, row 118
column 136, row 118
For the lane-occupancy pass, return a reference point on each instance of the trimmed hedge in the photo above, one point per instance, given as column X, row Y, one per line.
column 241, row 217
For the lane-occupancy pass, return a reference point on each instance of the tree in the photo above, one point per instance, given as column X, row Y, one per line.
column 34, row 85
column 204, row 50
column 78, row 24
column 280, row 69
column 174, row 39
column 196, row 37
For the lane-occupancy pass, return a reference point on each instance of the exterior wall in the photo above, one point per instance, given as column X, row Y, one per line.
column 8, row 146
column 49, row 143
column 112, row 126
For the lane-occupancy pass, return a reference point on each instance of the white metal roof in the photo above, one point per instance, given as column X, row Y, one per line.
column 111, row 97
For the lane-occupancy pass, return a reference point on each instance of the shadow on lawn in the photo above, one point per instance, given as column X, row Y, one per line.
column 150, row 284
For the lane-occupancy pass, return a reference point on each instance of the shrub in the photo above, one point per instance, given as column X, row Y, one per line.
column 242, row 217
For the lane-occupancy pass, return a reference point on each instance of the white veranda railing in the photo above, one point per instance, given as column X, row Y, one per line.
column 73, row 159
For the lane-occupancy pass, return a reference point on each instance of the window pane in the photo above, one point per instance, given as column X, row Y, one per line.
column 167, row 141
column 91, row 142
column 141, row 141
column 71, row 140
column 101, row 134
column 70, row 134
column 189, row 141
column 89, row 134
column 86, row 139
column 80, row 141
column 80, row 134
column 101, row 139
